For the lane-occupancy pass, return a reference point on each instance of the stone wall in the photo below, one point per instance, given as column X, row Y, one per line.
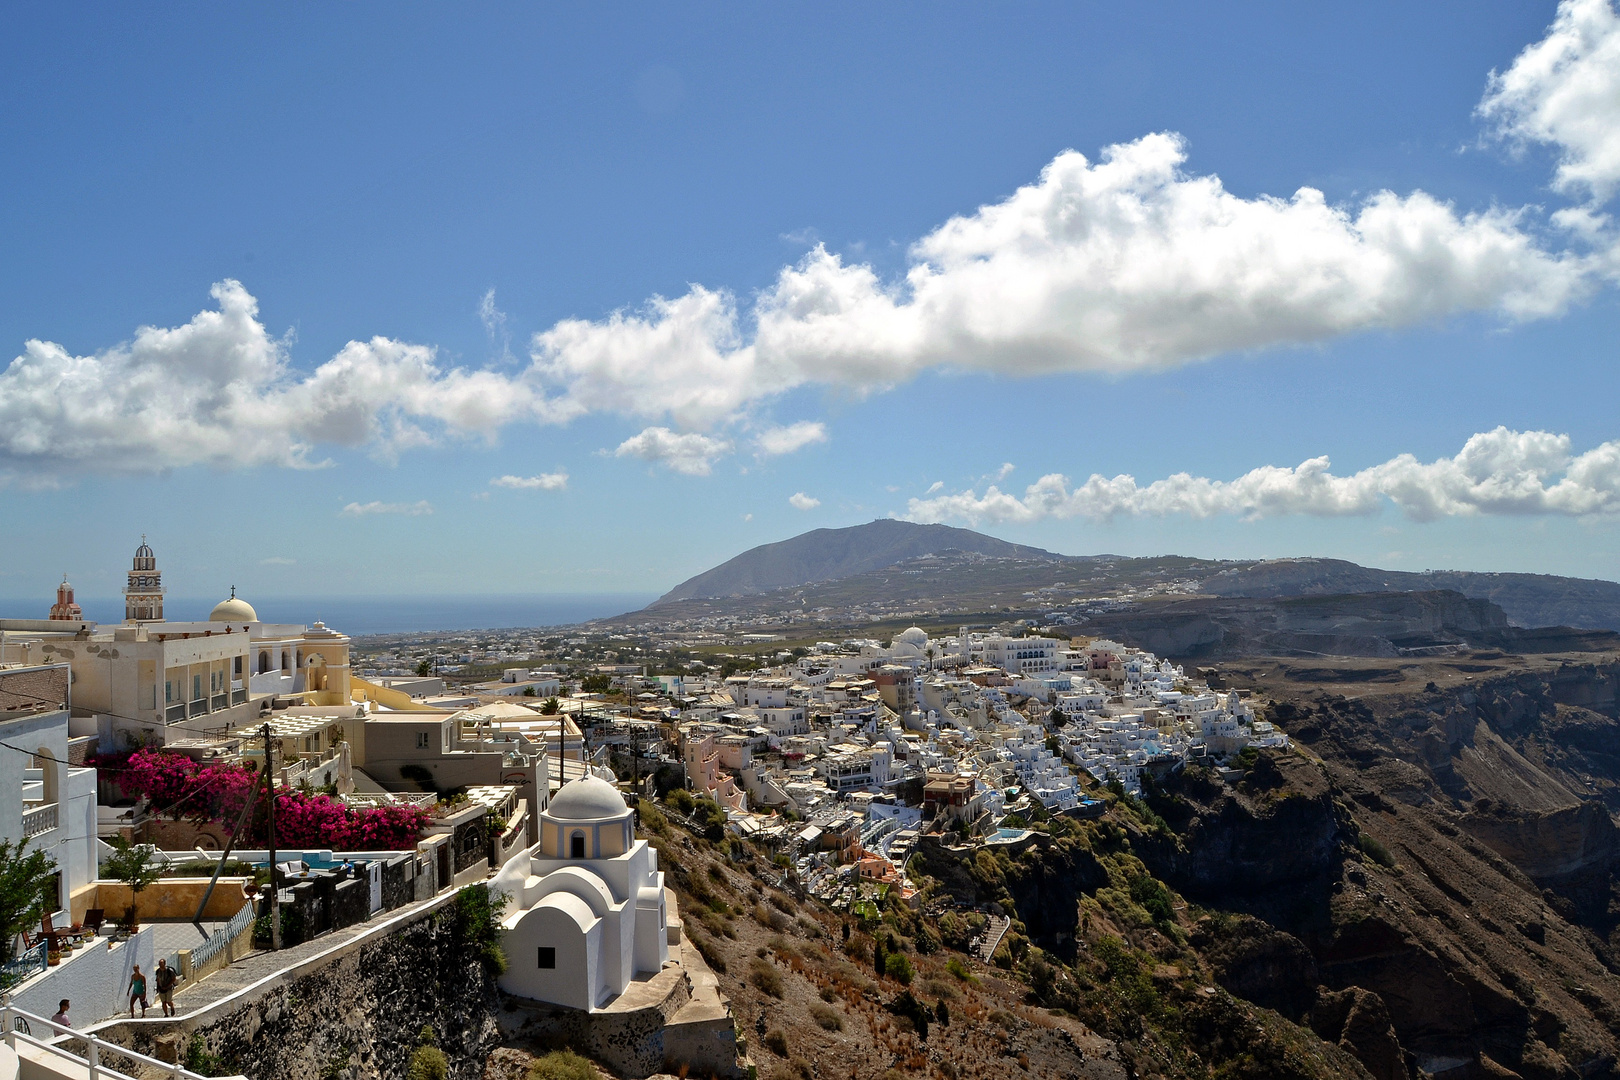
column 352, row 1015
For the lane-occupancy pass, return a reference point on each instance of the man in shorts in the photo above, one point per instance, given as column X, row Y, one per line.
column 165, row 977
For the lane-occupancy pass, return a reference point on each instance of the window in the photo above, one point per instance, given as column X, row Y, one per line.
column 548, row 957
column 196, row 688
column 237, row 669
column 421, row 740
column 577, row 846
column 264, row 662
column 168, row 691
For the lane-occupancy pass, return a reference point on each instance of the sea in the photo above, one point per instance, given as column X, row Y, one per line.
column 360, row 615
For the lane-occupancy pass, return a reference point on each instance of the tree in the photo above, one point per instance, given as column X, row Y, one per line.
column 598, row 683
column 551, row 707
column 134, row 866
column 424, row 668
column 25, row 890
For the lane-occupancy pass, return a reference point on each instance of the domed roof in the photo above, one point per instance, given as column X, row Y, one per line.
column 916, row 635
column 589, row 798
column 233, row 610
column 143, row 552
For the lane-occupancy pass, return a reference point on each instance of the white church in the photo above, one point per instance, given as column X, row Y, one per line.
column 586, row 910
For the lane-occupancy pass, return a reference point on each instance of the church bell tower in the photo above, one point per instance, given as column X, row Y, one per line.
column 143, row 596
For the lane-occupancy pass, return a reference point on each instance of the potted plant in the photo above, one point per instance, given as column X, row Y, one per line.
column 133, row 865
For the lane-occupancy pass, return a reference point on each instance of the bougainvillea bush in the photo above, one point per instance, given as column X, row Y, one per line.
column 180, row 788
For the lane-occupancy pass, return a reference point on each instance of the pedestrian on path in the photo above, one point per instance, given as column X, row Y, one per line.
column 165, row 977
column 61, row 1017
column 137, row 992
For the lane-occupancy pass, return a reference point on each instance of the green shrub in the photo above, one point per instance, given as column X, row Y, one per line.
column 200, row 1060
column 828, row 1018
column 1374, row 849
column 897, row 967
column 476, row 922
column 956, row 966
column 562, row 1065
column 428, row 1063
column 776, row 1041
column 763, row 974
column 1152, row 897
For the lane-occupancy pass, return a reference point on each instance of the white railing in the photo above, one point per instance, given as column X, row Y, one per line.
column 222, row 937
column 30, row 1030
column 39, row 820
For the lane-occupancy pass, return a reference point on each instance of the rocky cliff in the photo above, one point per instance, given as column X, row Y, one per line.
column 1381, row 624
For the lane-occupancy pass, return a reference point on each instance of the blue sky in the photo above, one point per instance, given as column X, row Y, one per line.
column 417, row 224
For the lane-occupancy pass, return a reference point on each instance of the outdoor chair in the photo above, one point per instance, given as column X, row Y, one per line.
column 93, row 920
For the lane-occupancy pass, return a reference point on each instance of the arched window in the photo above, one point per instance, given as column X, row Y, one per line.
column 264, row 661
column 283, row 659
column 576, row 846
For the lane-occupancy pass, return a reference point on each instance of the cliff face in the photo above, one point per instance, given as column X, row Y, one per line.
column 1528, row 599
column 1369, row 624
column 1474, row 886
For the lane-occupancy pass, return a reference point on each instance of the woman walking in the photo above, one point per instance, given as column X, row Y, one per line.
column 137, row 992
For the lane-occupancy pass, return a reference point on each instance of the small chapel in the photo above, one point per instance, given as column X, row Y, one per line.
column 586, row 911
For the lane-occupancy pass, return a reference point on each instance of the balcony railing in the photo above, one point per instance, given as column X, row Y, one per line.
column 221, row 700
column 38, row 820
column 238, row 696
column 175, row 712
column 199, row 707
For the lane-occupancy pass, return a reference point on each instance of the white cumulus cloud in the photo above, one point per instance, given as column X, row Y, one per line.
column 1496, row 472
column 221, row 391
column 1123, row 263
column 691, row 453
column 1564, row 91
column 792, row 438
column 415, row 509
column 800, row 501
column 555, row 481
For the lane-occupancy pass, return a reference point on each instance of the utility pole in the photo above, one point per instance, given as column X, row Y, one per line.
column 270, row 833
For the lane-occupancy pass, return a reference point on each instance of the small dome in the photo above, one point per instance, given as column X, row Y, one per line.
column 587, row 799
column 143, row 552
column 916, row 635
column 233, row 610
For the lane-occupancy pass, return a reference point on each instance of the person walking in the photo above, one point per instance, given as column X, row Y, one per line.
column 61, row 1017
column 165, row 977
column 137, row 992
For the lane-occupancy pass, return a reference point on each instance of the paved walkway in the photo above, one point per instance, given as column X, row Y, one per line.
column 194, row 998
column 172, row 936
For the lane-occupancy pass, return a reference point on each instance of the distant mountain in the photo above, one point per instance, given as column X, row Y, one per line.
column 833, row 554
column 1528, row 599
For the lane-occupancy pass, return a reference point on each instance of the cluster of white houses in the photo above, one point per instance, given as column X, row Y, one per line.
column 868, row 743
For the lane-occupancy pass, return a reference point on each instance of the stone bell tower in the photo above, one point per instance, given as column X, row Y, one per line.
column 143, row 596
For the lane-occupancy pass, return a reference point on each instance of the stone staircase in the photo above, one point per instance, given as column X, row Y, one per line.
column 994, row 931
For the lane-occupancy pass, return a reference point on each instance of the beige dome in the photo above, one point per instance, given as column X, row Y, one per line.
column 233, row 610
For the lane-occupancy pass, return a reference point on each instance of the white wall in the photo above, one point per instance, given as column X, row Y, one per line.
column 97, row 981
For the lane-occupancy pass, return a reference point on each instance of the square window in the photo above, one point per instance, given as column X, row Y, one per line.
column 548, row 956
